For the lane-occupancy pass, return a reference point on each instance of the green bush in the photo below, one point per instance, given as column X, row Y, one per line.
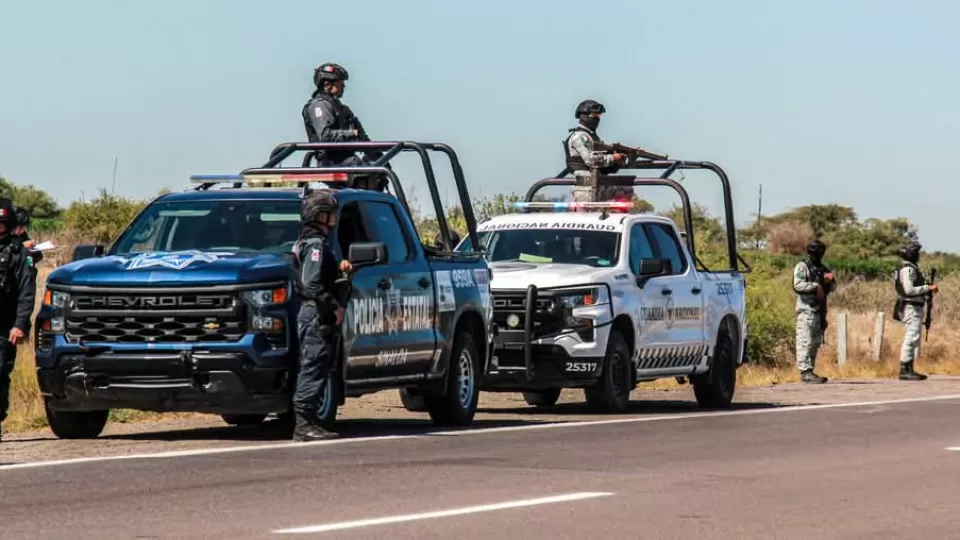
column 102, row 219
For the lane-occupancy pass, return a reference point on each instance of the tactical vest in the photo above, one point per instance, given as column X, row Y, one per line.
column 296, row 279
column 573, row 160
column 918, row 281
column 7, row 275
column 816, row 274
column 341, row 121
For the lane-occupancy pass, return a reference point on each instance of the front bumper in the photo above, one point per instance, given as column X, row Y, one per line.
column 214, row 380
column 543, row 354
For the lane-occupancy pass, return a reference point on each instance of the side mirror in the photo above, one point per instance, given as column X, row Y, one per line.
column 651, row 268
column 367, row 254
column 87, row 251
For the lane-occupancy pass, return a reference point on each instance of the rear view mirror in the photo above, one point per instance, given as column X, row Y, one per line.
column 367, row 254
column 651, row 268
column 87, row 251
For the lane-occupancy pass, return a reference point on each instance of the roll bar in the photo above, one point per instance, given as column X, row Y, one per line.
column 668, row 167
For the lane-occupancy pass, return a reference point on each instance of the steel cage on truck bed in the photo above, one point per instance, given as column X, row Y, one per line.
column 668, row 167
column 379, row 166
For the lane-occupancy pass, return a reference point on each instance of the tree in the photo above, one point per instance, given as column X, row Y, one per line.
column 37, row 203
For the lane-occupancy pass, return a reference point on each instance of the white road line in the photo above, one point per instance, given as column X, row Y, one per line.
column 953, row 448
column 478, row 431
column 442, row 513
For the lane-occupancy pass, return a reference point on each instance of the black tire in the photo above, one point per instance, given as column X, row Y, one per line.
column 412, row 401
column 542, row 399
column 76, row 424
column 244, row 419
column 611, row 394
column 329, row 403
column 459, row 405
column 715, row 389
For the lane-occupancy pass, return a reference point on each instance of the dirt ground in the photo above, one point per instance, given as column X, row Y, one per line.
column 383, row 414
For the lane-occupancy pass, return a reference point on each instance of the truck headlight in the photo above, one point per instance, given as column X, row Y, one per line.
column 596, row 296
column 56, row 299
column 262, row 297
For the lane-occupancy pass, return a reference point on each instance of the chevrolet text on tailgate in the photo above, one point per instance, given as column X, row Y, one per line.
column 603, row 299
column 192, row 309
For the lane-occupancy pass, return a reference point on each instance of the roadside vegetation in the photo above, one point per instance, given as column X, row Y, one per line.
column 861, row 252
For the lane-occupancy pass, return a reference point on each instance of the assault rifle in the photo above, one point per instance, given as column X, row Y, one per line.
column 819, row 277
column 929, row 316
column 633, row 152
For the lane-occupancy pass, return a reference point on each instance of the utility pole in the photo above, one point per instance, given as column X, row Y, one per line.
column 113, row 188
column 759, row 212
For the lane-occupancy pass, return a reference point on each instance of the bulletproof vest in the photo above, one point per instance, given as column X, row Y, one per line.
column 7, row 277
column 918, row 281
column 573, row 160
column 297, row 277
column 816, row 273
column 341, row 121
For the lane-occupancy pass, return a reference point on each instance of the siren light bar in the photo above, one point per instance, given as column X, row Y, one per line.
column 299, row 178
column 571, row 206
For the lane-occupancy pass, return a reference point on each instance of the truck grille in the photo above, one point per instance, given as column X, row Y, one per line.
column 514, row 303
column 155, row 318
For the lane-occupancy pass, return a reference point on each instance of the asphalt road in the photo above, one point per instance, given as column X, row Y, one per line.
column 880, row 470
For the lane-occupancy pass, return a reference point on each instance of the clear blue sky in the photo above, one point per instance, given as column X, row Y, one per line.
column 852, row 102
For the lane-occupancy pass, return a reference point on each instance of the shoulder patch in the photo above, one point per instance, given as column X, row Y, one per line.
column 315, row 255
column 318, row 111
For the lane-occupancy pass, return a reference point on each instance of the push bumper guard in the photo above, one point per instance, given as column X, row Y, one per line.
column 554, row 320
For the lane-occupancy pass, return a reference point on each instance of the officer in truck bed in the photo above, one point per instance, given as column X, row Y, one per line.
column 18, row 283
column 318, row 322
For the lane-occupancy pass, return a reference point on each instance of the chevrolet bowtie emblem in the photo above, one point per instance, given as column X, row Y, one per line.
column 211, row 325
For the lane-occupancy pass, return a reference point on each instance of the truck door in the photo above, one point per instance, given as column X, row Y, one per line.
column 681, row 290
column 651, row 307
column 398, row 336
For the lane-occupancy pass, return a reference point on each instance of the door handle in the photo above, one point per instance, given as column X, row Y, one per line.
column 666, row 291
column 384, row 284
column 424, row 282
column 695, row 290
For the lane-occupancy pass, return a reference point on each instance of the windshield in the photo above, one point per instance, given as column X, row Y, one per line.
column 254, row 226
column 568, row 246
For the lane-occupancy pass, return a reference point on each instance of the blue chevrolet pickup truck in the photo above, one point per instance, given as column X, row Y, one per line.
column 191, row 307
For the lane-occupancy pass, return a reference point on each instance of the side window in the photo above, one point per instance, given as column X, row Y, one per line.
column 350, row 228
column 669, row 246
column 640, row 247
column 385, row 227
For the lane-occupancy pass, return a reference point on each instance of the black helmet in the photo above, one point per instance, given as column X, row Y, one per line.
column 816, row 248
column 329, row 72
column 589, row 106
column 911, row 251
column 8, row 213
column 23, row 218
column 322, row 200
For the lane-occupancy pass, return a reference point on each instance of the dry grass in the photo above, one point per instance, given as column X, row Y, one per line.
column 789, row 238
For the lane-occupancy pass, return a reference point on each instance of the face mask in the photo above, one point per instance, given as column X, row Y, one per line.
column 590, row 123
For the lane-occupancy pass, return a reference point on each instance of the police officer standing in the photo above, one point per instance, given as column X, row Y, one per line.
column 579, row 153
column 812, row 282
column 327, row 119
column 912, row 292
column 20, row 234
column 320, row 312
column 18, row 284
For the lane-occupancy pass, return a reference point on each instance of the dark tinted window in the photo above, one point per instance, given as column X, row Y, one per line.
column 640, row 247
column 669, row 246
column 231, row 226
column 547, row 245
column 385, row 227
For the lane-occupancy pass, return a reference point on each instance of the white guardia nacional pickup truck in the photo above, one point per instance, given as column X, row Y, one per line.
column 604, row 299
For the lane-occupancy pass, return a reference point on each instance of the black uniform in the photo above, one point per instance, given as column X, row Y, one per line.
column 18, row 289
column 317, row 328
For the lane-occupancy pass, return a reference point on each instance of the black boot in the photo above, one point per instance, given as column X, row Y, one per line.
column 810, row 377
column 908, row 374
column 307, row 429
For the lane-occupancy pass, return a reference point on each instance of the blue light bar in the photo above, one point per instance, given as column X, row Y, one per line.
column 571, row 206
